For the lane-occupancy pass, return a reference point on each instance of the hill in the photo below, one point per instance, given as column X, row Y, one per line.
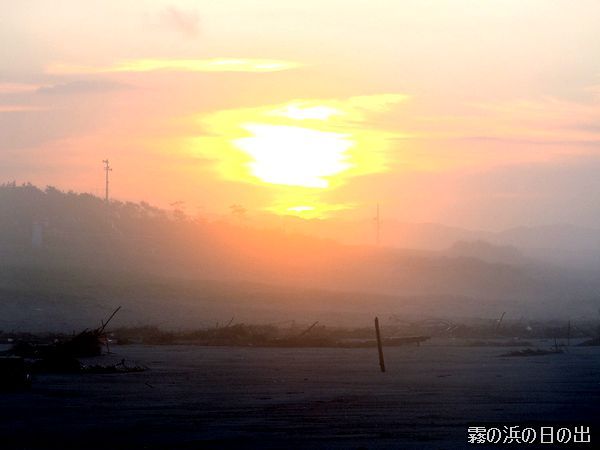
column 68, row 256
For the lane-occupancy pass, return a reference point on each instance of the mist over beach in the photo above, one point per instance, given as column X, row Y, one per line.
column 283, row 224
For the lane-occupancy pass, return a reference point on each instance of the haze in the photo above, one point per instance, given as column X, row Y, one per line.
column 475, row 114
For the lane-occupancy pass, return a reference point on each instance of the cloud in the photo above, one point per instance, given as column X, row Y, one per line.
column 17, row 88
column 178, row 65
column 20, row 108
column 81, row 87
column 552, row 191
column 31, row 126
column 531, row 142
column 536, row 121
column 185, row 22
column 302, row 144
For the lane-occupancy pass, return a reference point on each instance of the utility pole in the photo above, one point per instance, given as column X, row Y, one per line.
column 378, row 227
column 107, row 169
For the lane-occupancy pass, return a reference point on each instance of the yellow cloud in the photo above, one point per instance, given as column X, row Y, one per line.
column 312, row 208
column 178, row 65
column 299, row 149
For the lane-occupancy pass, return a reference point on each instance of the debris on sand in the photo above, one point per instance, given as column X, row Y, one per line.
column 121, row 367
column 388, row 342
column 61, row 356
column 595, row 342
column 243, row 335
column 497, row 343
column 14, row 374
column 56, row 362
column 533, row 352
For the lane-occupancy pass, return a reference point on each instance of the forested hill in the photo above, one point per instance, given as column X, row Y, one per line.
column 66, row 228
column 50, row 229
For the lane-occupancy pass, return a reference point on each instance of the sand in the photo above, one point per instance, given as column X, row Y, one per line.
column 221, row 397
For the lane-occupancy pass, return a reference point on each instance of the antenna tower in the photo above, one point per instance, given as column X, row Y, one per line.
column 107, row 169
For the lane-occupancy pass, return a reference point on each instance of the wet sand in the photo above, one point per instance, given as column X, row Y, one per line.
column 221, row 397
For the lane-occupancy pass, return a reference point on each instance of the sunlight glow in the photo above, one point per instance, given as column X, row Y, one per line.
column 178, row 65
column 294, row 156
column 299, row 112
column 301, row 208
column 299, row 150
column 314, row 209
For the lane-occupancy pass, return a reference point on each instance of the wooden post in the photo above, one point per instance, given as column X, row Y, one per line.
column 379, row 346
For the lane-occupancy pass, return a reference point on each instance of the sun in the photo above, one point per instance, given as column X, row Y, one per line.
column 295, row 156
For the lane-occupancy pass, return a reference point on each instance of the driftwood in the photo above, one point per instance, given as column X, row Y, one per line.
column 120, row 367
column 533, row 352
column 499, row 322
column 61, row 356
column 308, row 329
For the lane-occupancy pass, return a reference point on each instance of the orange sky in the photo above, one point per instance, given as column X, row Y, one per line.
column 469, row 113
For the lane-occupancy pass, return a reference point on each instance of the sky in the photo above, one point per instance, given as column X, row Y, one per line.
column 471, row 113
